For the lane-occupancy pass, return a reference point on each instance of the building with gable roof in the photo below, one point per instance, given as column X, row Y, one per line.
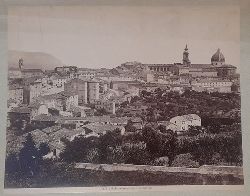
column 183, row 123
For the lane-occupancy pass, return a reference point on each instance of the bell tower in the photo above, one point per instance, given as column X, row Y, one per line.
column 20, row 63
column 185, row 60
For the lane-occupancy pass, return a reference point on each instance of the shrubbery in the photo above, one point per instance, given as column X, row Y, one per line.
column 206, row 147
column 185, row 160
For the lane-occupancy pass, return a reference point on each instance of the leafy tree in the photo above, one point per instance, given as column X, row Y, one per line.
column 152, row 140
column 231, row 148
column 78, row 149
column 110, row 139
column 194, row 130
column 160, row 144
column 29, row 157
column 171, row 144
column 44, row 149
column 12, row 164
column 137, row 154
column 124, row 104
column 129, row 126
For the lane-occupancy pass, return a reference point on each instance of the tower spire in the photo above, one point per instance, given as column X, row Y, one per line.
column 20, row 63
column 185, row 60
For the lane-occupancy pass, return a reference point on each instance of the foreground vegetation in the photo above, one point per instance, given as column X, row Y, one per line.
column 217, row 142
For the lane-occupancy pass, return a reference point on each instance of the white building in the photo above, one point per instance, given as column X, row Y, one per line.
column 85, row 73
column 183, row 123
column 14, row 73
column 148, row 76
column 58, row 81
column 222, row 86
column 38, row 109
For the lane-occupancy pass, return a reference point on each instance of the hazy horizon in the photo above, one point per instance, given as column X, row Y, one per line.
column 106, row 36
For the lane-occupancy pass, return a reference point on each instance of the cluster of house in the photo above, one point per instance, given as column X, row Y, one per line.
column 69, row 96
column 63, row 89
column 54, row 129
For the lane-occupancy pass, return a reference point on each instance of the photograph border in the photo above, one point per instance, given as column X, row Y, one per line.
column 175, row 190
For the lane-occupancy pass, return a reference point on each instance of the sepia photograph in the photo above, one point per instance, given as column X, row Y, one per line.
column 123, row 96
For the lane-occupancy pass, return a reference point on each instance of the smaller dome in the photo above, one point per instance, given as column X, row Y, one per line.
column 218, row 57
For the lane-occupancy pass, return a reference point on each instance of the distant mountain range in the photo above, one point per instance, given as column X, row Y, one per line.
column 44, row 61
column 36, row 60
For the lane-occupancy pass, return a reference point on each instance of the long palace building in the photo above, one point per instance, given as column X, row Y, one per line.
column 217, row 67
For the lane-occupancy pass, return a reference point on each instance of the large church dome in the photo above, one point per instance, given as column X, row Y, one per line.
column 218, row 57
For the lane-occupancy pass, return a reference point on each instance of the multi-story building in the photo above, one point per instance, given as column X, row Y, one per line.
column 66, row 69
column 124, row 84
column 93, row 91
column 160, row 67
column 104, row 86
column 16, row 93
column 88, row 90
column 109, row 106
column 71, row 99
column 210, row 85
column 58, row 81
column 31, row 90
column 14, row 73
column 84, row 73
column 80, row 87
column 27, row 73
column 148, row 76
column 62, row 101
column 202, row 70
column 19, row 117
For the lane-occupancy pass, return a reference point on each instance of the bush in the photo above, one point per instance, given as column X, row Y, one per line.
column 218, row 160
column 116, row 155
column 92, row 155
column 204, row 147
column 136, row 154
column 161, row 161
column 185, row 160
column 129, row 153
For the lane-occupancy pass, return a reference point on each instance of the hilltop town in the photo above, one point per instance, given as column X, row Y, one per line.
column 135, row 113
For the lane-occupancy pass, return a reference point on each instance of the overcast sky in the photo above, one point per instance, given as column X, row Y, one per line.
column 106, row 36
